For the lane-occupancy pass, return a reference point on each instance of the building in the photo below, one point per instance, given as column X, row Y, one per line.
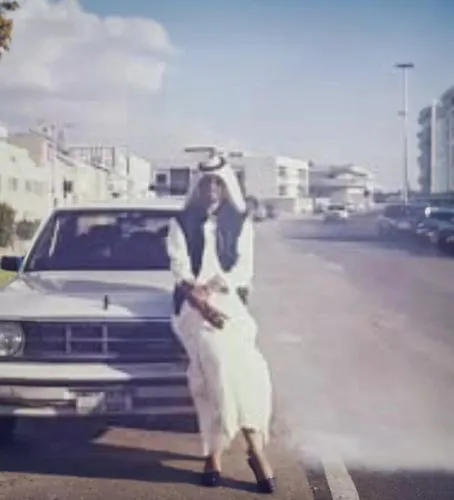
column 24, row 184
column 129, row 175
column 173, row 175
column 69, row 179
column 38, row 173
column 344, row 184
column 280, row 181
column 436, row 145
column 425, row 120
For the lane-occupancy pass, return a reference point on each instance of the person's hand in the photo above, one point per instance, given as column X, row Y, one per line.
column 200, row 292
column 218, row 284
column 213, row 316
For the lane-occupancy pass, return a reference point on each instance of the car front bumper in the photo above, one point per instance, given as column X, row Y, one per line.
column 93, row 389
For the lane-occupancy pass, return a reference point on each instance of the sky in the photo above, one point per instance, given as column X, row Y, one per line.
column 306, row 78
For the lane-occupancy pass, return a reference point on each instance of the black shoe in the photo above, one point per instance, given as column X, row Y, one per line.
column 211, row 479
column 267, row 485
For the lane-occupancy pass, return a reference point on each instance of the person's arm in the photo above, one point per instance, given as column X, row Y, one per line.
column 180, row 266
column 177, row 249
column 240, row 276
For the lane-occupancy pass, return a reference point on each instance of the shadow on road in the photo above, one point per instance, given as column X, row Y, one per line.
column 389, row 485
column 67, row 448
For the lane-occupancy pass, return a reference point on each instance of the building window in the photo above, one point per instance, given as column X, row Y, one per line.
column 29, row 186
column 283, row 191
column 13, row 184
column 283, row 172
column 179, row 181
column 161, row 179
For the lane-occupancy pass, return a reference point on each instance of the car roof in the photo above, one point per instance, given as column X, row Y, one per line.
column 164, row 203
column 438, row 210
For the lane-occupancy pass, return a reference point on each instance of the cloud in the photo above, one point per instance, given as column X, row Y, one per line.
column 104, row 75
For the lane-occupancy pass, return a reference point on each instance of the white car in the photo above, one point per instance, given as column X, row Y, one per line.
column 85, row 325
column 336, row 213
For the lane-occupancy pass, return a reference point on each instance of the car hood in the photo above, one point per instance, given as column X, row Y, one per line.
column 79, row 295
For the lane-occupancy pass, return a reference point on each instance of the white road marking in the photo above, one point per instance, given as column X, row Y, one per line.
column 339, row 480
column 333, row 266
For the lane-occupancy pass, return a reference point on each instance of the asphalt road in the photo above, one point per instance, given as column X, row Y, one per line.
column 359, row 339
column 376, row 349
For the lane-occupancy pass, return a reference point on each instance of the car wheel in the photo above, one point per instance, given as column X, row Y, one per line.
column 7, row 429
column 443, row 244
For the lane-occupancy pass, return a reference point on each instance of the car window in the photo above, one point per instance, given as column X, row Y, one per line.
column 442, row 216
column 102, row 240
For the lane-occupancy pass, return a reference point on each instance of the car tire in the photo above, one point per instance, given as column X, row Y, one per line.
column 7, row 429
column 443, row 245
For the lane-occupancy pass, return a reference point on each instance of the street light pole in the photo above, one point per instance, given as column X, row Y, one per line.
column 404, row 67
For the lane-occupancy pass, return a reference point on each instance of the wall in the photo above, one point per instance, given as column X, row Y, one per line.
column 89, row 183
column 274, row 177
column 23, row 184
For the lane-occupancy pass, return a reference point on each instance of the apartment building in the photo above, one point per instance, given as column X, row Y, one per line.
column 37, row 174
column 24, row 185
column 344, row 184
column 129, row 175
column 436, row 145
column 280, row 181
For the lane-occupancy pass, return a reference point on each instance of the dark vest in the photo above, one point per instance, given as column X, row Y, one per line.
column 229, row 227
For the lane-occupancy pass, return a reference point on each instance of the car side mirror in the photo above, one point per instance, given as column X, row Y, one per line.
column 10, row 263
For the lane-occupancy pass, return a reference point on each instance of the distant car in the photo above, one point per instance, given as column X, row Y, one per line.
column 335, row 213
column 95, row 335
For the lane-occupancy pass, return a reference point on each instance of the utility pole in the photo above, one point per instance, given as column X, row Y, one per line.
column 52, row 133
column 404, row 67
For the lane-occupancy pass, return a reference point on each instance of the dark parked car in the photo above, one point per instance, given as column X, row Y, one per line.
column 387, row 222
column 401, row 219
column 438, row 228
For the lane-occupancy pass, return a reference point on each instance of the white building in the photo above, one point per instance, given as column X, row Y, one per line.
column 37, row 175
column 436, row 145
column 24, row 185
column 129, row 175
column 280, row 181
column 344, row 184
column 275, row 180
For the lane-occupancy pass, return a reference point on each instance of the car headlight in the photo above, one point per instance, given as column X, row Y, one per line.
column 11, row 339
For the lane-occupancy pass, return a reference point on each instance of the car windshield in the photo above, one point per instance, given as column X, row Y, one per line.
column 394, row 211
column 114, row 239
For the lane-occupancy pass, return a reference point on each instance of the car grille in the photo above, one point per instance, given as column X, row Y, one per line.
column 127, row 341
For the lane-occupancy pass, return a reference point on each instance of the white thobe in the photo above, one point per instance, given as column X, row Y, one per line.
column 228, row 377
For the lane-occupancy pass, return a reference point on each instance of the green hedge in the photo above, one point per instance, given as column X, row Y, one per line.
column 26, row 229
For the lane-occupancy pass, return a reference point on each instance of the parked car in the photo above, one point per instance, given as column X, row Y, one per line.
column 387, row 222
column 400, row 220
column 438, row 228
column 85, row 327
column 336, row 213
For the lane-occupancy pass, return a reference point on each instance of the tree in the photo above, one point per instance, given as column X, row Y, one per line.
column 6, row 24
